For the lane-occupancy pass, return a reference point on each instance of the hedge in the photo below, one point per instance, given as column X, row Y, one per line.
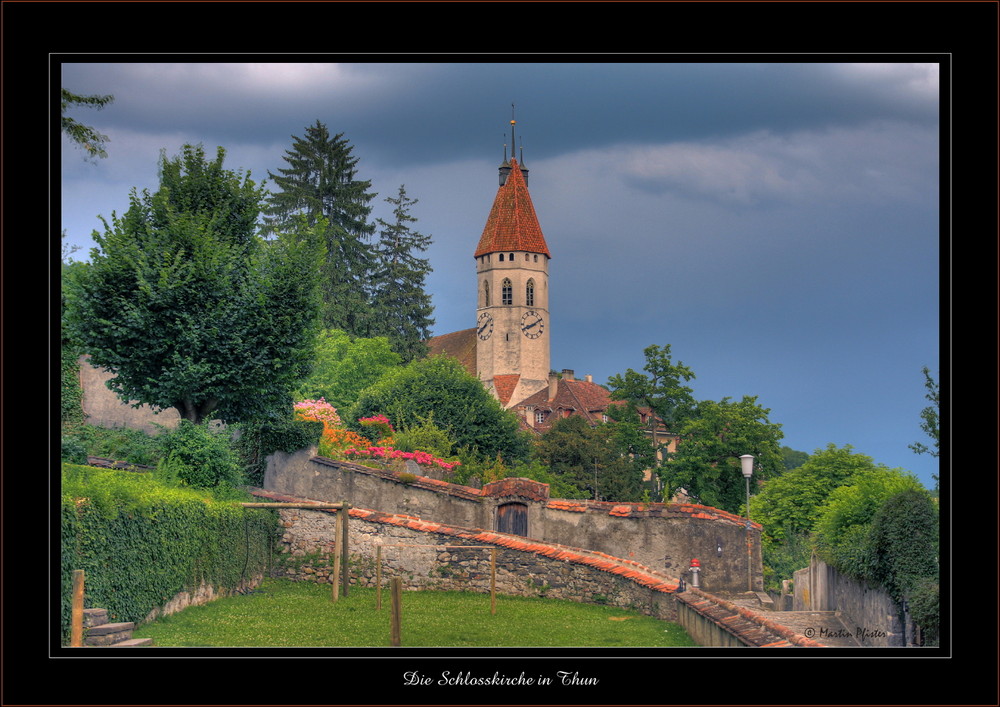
column 140, row 543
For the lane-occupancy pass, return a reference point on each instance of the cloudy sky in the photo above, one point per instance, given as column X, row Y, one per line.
column 777, row 224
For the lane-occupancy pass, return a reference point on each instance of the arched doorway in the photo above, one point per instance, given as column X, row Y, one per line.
column 513, row 518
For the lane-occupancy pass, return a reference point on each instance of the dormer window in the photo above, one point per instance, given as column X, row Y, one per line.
column 539, row 417
column 507, row 292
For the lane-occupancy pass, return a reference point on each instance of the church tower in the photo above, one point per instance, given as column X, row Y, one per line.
column 512, row 277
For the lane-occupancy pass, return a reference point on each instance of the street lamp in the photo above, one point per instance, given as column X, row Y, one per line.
column 746, row 462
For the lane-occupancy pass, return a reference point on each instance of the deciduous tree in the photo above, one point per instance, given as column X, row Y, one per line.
column 84, row 136
column 189, row 307
column 440, row 387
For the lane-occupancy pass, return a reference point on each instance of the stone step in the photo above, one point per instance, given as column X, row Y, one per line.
column 132, row 643
column 94, row 617
column 105, row 629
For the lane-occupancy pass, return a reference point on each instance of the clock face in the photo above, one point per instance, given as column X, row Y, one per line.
column 485, row 325
column 532, row 324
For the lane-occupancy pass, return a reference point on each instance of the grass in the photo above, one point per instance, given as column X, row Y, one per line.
column 282, row 613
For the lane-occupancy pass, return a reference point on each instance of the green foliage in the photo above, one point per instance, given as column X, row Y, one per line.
column 199, row 456
column 793, row 458
column 592, row 459
column 320, row 185
column 425, row 437
column 441, row 387
column 841, row 533
column 782, row 560
column 710, row 443
column 71, row 392
column 925, row 608
column 188, row 307
column 345, row 366
column 259, row 439
column 904, row 542
column 83, row 135
column 661, row 390
column 401, row 308
column 118, row 443
column 789, row 504
column 139, row 542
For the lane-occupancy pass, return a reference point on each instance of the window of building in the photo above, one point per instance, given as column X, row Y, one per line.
column 512, row 257
column 507, row 292
column 486, row 293
column 529, row 294
column 539, row 417
column 501, row 257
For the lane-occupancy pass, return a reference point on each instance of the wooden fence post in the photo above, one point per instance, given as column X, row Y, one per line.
column 76, row 629
column 345, row 574
column 493, row 580
column 397, row 610
column 378, row 578
column 337, row 533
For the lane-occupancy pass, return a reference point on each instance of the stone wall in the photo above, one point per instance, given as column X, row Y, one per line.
column 663, row 537
column 446, row 557
column 102, row 408
column 872, row 616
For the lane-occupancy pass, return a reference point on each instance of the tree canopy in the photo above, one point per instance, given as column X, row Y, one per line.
column 320, row 184
column 594, row 459
column 790, row 504
column 343, row 367
column 84, row 136
column 401, row 309
column 188, row 306
column 440, row 388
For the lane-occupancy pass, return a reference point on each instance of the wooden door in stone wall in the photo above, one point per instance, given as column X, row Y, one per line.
column 513, row 518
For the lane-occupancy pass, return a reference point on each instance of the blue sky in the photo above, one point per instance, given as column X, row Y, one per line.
column 776, row 223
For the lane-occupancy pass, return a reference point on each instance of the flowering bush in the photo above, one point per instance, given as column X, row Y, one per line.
column 319, row 410
column 382, row 428
column 388, row 453
column 335, row 438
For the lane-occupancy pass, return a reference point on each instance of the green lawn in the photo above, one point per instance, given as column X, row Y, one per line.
column 283, row 613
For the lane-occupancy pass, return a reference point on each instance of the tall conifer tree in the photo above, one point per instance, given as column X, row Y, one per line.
column 401, row 307
column 320, row 183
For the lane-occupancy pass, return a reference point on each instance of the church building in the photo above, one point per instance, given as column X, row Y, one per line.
column 509, row 349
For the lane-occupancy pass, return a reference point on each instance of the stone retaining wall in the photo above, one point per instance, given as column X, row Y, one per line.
column 661, row 536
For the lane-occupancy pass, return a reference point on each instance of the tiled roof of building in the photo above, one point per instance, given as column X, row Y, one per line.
column 460, row 345
column 512, row 224
column 573, row 397
column 504, row 385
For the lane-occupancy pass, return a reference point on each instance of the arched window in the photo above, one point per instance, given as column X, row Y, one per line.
column 486, row 293
column 501, row 257
column 529, row 294
column 512, row 257
column 507, row 292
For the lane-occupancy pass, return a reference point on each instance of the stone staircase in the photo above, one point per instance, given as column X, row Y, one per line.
column 99, row 633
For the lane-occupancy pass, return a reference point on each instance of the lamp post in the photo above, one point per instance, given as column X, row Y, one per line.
column 746, row 462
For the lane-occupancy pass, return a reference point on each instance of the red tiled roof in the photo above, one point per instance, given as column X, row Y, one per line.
column 512, row 223
column 460, row 345
column 504, row 385
column 589, row 400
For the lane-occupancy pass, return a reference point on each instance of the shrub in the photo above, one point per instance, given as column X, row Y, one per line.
column 200, row 457
column 139, row 542
column 925, row 608
column 261, row 438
